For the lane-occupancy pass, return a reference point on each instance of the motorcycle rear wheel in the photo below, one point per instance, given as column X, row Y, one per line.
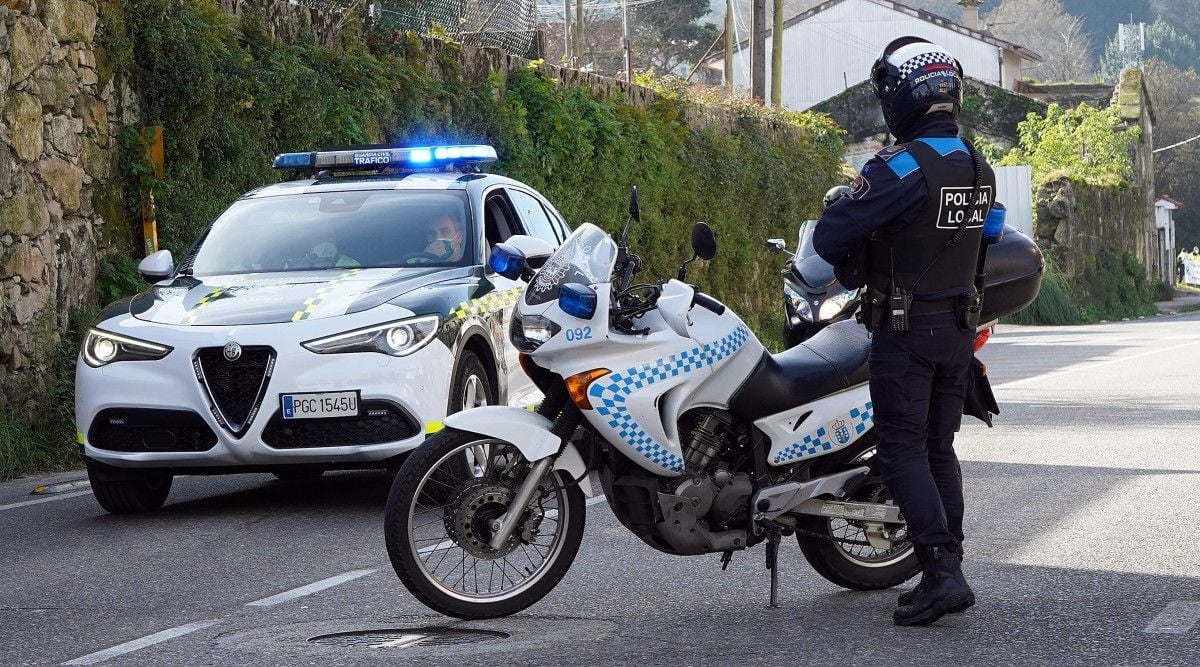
column 856, row 566
column 437, row 528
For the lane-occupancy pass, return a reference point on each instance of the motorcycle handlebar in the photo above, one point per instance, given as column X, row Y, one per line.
column 708, row 303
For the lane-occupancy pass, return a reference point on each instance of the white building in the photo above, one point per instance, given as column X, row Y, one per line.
column 832, row 46
column 1164, row 220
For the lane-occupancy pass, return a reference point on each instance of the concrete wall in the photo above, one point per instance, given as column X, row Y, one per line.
column 834, row 49
column 60, row 206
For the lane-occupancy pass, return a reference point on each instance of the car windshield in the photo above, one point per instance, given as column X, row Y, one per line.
column 338, row 230
column 586, row 257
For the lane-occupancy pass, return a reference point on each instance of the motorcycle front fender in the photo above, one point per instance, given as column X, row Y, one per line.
column 529, row 432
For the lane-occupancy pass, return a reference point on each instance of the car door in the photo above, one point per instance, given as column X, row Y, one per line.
column 500, row 221
column 530, row 217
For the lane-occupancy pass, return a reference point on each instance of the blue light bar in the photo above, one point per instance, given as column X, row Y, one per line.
column 376, row 158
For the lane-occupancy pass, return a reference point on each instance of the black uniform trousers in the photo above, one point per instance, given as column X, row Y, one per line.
column 918, row 385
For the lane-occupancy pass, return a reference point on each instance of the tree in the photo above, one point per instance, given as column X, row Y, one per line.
column 1085, row 142
column 1174, row 93
column 1163, row 43
column 1184, row 14
column 669, row 34
column 1046, row 28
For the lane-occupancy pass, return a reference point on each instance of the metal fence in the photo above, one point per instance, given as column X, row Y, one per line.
column 507, row 24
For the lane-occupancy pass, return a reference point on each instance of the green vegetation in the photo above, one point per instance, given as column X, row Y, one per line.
column 1084, row 143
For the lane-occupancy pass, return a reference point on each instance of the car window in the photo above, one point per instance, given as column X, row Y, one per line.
column 338, row 230
column 534, row 217
column 497, row 226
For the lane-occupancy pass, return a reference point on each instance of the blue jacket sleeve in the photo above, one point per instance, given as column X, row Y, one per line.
column 886, row 195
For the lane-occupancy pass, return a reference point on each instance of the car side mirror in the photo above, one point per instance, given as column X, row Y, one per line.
column 536, row 250
column 156, row 266
column 777, row 246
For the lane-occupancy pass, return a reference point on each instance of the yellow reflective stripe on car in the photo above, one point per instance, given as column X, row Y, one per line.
column 487, row 303
column 79, row 437
column 311, row 303
column 433, row 427
column 194, row 313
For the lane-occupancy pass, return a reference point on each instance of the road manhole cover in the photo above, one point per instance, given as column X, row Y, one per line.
column 407, row 637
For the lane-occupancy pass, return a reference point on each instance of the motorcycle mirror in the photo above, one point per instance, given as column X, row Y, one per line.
column 634, row 211
column 777, row 245
column 704, row 242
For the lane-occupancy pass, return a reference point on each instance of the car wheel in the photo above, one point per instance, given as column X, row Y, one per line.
column 470, row 387
column 297, row 473
column 128, row 490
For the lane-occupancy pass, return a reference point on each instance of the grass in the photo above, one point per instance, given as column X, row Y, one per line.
column 25, row 448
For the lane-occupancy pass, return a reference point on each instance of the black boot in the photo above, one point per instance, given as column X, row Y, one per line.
column 906, row 598
column 947, row 591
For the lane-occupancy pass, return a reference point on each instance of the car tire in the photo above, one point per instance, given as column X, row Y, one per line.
column 129, row 491
column 470, row 385
column 297, row 473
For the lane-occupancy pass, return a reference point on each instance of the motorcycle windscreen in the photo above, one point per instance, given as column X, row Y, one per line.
column 813, row 271
column 980, row 402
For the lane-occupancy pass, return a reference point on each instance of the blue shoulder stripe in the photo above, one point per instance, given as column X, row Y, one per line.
column 945, row 145
column 903, row 164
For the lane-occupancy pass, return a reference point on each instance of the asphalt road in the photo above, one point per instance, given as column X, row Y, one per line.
column 1083, row 502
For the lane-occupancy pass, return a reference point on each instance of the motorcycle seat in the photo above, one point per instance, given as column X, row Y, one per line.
column 832, row 360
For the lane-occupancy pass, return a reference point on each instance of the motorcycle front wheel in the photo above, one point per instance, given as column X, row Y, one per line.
column 438, row 527
column 859, row 555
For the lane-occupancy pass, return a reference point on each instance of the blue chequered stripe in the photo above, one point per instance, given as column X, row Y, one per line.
column 861, row 419
column 609, row 394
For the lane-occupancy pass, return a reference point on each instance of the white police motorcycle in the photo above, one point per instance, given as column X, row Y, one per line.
column 702, row 441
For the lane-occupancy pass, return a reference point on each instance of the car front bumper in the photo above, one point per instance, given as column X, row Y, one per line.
column 169, row 416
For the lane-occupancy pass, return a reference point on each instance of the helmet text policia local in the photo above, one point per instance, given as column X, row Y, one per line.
column 914, row 77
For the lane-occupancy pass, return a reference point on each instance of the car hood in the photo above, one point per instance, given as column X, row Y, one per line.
column 267, row 298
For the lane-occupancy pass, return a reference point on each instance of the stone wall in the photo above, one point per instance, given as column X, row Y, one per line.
column 287, row 21
column 57, row 172
column 1076, row 221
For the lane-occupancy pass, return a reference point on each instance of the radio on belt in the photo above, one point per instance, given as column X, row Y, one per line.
column 378, row 157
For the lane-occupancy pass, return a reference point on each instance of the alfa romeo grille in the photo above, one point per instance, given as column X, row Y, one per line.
column 235, row 388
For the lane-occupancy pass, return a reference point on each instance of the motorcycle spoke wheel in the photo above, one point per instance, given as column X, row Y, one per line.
column 439, row 527
column 451, row 537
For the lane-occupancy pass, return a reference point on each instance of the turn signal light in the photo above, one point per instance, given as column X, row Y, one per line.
column 577, row 386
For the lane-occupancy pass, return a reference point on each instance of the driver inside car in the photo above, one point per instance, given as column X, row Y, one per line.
column 444, row 236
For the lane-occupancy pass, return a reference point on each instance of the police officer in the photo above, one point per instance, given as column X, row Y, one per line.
column 910, row 230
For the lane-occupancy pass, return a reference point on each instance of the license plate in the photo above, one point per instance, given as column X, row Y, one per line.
column 322, row 405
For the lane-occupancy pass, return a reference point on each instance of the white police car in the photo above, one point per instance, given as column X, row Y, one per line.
column 323, row 323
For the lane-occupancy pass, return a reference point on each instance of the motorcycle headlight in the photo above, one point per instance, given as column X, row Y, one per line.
column 398, row 339
column 528, row 333
column 835, row 305
column 101, row 348
column 799, row 303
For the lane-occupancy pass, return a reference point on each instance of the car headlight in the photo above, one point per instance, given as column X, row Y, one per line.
column 799, row 303
column 528, row 333
column 101, row 348
column 835, row 305
column 398, row 339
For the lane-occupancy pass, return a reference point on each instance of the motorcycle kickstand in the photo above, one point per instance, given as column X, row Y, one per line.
column 773, row 565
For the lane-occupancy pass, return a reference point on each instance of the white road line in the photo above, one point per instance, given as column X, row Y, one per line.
column 314, row 587
column 1087, row 366
column 47, row 499
column 139, row 644
column 1177, row 619
column 595, row 501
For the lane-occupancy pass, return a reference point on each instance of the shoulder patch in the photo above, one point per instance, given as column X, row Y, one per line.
column 860, row 187
column 904, row 165
column 891, row 152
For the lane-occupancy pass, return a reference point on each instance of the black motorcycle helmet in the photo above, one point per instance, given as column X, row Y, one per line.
column 914, row 77
column 835, row 193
